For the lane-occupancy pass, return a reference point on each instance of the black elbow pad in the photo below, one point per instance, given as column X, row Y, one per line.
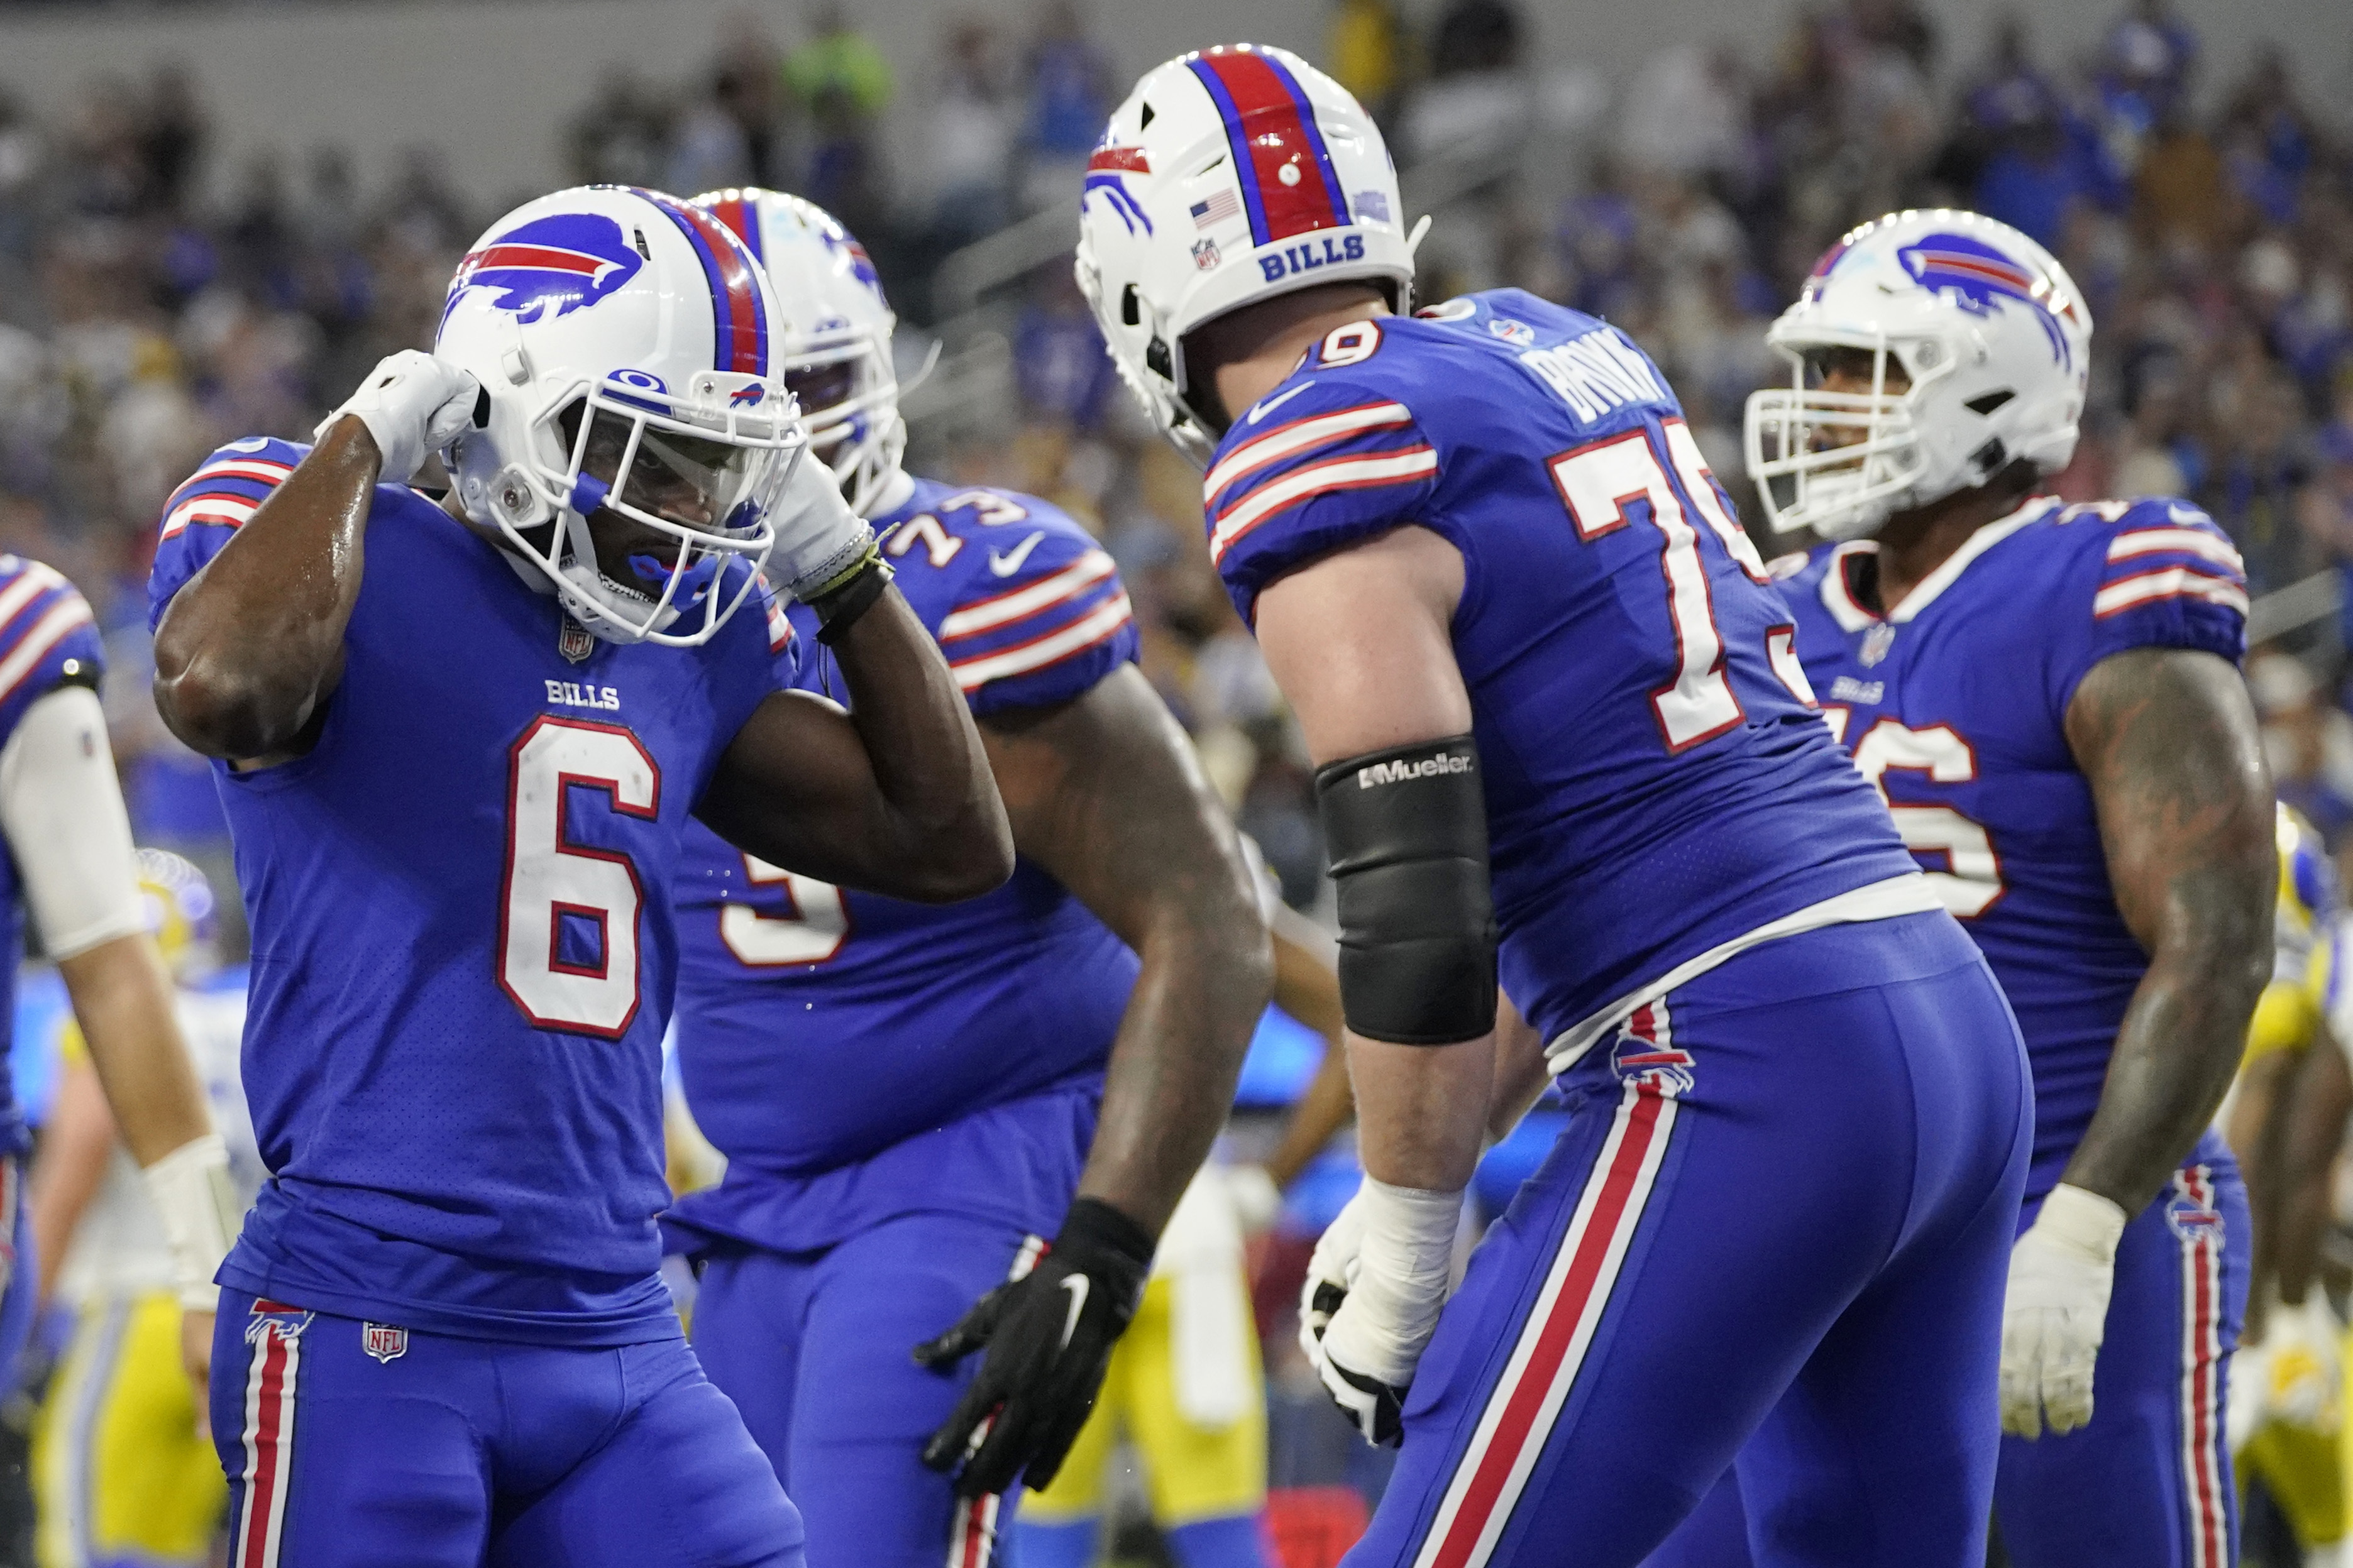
column 1406, row 831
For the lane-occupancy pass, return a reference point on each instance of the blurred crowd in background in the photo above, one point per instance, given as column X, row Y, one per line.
column 152, row 306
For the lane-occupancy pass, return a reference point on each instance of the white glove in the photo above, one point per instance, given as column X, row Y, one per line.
column 201, row 1213
column 1375, row 1285
column 818, row 538
column 412, row 403
column 2056, row 1312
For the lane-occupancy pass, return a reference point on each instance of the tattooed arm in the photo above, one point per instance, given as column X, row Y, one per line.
column 1105, row 793
column 2167, row 739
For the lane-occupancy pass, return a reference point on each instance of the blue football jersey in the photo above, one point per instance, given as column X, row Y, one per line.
column 856, row 1055
column 463, row 946
column 47, row 639
column 1657, row 781
column 1955, row 705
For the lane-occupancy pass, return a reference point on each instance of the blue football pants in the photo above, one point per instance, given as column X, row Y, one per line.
column 351, row 1445
column 813, row 1347
column 1780, row 1213
column 2148, row 1484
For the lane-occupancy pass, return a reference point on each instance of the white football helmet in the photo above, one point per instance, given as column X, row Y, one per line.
column 835, row 349
column 1228, row 176
column 620, row 332
column 1986, row 335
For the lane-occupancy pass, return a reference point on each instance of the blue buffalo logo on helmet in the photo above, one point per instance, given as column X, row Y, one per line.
column 550, row 266
column 1977, row 277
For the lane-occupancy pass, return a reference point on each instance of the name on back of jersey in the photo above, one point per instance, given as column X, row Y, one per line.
column 1596, row 372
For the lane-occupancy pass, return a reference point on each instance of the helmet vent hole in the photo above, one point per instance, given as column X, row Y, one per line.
column 1990, row 456
column 481, row 408
column 1145, row 120
column 1156, row 360
column 1985, row 405
column 1131, row 309
column 643, row 249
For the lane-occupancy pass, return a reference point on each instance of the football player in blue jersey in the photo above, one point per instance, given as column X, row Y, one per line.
column 2048, row 696
column 1562, row 733
column 459, row 744
column 911, row 1099
column 66, row 860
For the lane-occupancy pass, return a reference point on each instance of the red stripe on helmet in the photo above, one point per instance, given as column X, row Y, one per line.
column 1278, row 137
column 740, row 351
column 1124, row 160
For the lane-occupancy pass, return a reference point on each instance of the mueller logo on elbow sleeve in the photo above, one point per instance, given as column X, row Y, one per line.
column 1409, row 768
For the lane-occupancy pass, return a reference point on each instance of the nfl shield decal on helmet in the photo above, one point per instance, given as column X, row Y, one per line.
column 1205, row 254
column 551, row 266
column 383, row 1342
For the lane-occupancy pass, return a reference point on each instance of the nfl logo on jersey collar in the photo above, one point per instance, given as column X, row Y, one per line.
column 574, row 641
column 1876, row 642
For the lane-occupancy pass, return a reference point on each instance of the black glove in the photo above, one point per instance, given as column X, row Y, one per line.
column 1049, row 1330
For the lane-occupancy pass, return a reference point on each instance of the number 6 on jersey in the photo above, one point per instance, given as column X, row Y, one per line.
column 568, row 924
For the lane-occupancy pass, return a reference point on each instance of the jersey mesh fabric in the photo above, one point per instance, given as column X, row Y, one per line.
column 857, row 1056
column 1958, row 704
column 1644, row 803
column 439, row 1158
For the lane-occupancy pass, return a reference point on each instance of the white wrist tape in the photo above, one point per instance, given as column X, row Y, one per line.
column 201, row 1215
column 1403, row 1269
column 2082, row 1221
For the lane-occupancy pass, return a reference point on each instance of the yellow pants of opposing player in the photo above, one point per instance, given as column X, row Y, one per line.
column 1194, row 1469
column 119, row 1473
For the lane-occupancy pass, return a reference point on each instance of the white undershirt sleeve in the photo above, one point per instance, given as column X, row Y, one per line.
column 62, row 810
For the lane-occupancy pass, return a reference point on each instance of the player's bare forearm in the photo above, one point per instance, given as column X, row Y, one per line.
column 122, row 1000
column 252, row 646
column 1307, row 986
column 1361, row 642
column 75, row 1146
column 2319, row 1103
column 1521, row 1070
column 893, row 797
column 1104, row 792
column 1421, row 1110
column 2168, row 740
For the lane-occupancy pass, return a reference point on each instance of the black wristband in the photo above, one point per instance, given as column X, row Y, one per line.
column 1092, row 1226
column 838, row 611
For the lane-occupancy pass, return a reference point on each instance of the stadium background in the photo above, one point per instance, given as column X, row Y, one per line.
column 213, row 218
